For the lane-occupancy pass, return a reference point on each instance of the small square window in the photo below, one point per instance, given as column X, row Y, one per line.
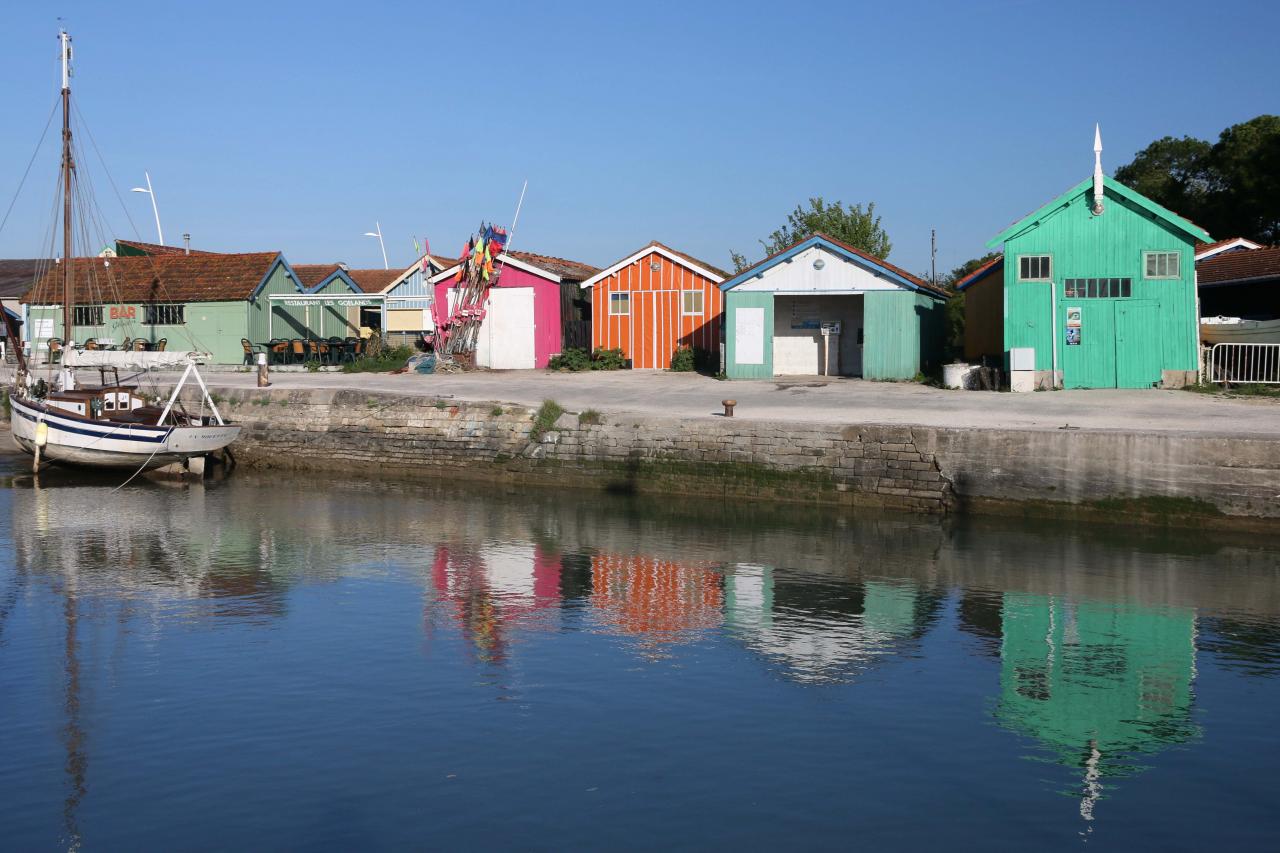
column 619, row 304
column 1034, row 268
column 691, row 302
column 1162, row 264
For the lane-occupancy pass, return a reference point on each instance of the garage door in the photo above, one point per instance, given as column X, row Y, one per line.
column 506, row 336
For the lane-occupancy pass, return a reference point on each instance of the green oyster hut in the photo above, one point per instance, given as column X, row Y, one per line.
column 1099, row 284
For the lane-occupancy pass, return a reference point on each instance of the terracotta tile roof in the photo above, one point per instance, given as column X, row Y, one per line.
column 161, row 278
column 374, row 280
column 1212, row 248
column 17, row 276
column 567, row 270
column 919, row 282
column 158, row 249
column 1248, row 265
column 309, row 275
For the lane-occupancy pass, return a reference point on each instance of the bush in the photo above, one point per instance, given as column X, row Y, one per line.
column 682, row 360
column 572, row 359
column 312, row 366
column 545, row 419
column 385, row 361
column 590, row 416
column 608, row 359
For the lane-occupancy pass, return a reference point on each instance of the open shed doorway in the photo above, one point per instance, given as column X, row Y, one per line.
column 799, row 346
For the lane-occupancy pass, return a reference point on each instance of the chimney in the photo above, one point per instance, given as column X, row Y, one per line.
column 186, row 244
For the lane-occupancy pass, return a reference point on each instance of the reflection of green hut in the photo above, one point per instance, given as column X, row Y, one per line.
column 1095, row 682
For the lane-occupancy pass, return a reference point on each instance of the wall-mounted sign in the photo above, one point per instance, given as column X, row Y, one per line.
column 1073, row 336
column 340, row 303
column 1073, row 318
column 124, row 312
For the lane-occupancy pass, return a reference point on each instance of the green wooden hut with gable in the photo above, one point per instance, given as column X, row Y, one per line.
column 1100, row 283
column 821, row 307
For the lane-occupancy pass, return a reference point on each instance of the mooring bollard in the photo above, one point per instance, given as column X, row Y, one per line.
column 728, row 407
column 264, row 380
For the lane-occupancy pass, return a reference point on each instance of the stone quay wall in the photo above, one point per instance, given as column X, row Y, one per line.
column 416, row 436
column 1104, row 475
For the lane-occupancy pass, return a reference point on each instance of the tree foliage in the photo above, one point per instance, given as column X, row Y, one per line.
column 1230, row 188
column 851, row 225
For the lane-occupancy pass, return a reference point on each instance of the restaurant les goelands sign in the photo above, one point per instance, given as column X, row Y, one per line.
column 339, row 301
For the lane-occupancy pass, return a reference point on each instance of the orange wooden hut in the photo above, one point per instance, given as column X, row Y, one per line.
column 653, row 301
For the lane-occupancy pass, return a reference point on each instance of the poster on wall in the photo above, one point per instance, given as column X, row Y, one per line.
column 1073, row 317
column 1073, row 337
column 749, row 335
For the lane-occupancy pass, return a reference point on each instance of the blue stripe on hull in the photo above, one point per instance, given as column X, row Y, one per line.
column 119, row 434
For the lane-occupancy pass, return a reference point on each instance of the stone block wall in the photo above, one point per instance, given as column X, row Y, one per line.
column 870, row 465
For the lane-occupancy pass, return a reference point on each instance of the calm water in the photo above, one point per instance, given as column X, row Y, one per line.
column 293, row 664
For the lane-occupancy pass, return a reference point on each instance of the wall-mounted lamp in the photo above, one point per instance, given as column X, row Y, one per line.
column 654, row 266
column 819, row 264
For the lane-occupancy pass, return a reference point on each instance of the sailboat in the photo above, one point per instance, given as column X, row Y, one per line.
column 110, row 425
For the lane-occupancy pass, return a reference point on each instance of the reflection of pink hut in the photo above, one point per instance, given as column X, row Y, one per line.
column 522, row 319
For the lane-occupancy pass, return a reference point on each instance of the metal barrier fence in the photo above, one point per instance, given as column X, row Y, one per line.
column 1257, row 364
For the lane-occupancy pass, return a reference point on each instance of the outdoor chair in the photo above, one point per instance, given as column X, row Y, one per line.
column 251, row 350
column 138, row 345
column 55, row 350
column 91, row 344
column 313, row 350
column 278, row 351
column 160, row 345
column 322, row 349
column 336, row 350
column 298, row 351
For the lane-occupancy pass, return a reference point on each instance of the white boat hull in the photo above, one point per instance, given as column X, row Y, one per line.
column 1240, row 331
column 105, row 444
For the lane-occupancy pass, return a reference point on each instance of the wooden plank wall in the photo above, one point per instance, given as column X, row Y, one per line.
column 655, row 326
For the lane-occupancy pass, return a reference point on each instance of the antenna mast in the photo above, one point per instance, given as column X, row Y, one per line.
column 68, row 327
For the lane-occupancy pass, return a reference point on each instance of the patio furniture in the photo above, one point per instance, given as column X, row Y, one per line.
column 251, row 350
column 298, row 351
column 139, row 345
column 160, row 345
column 91, row 344
column 278, row 351
column 55, row 350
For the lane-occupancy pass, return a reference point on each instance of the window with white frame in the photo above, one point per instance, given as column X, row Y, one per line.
column 1035, row 268
column 619, row 304
column 1162, row 264
column 691, row 302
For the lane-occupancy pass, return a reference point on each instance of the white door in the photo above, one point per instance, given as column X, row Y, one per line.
column 506, row 335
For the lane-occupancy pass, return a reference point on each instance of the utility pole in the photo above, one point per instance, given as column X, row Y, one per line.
column 933, row 255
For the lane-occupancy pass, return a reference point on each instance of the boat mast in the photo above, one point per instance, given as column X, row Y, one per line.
column 68, row 328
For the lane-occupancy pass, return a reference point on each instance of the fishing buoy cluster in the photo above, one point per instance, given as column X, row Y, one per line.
column 479, row 266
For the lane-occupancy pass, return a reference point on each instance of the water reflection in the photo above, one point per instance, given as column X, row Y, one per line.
column 1099, row 684
column 1086, row 645
column 816, row 632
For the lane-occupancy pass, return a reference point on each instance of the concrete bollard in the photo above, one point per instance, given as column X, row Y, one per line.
column 264, row 380
column 728, row 407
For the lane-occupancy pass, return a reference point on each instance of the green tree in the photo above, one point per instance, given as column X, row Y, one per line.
column 1231, row 187
column 1246, row 166
column 851, row 225
column 1173, row 172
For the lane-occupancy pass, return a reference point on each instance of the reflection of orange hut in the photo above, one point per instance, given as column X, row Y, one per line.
column 660, row 599
column 489, row 589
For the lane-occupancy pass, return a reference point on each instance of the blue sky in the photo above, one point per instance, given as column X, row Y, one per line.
column 294, row 126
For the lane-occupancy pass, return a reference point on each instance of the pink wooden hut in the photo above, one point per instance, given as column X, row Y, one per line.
column 523, row 323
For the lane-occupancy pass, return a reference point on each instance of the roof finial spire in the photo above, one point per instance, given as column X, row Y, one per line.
column 1097, row 170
